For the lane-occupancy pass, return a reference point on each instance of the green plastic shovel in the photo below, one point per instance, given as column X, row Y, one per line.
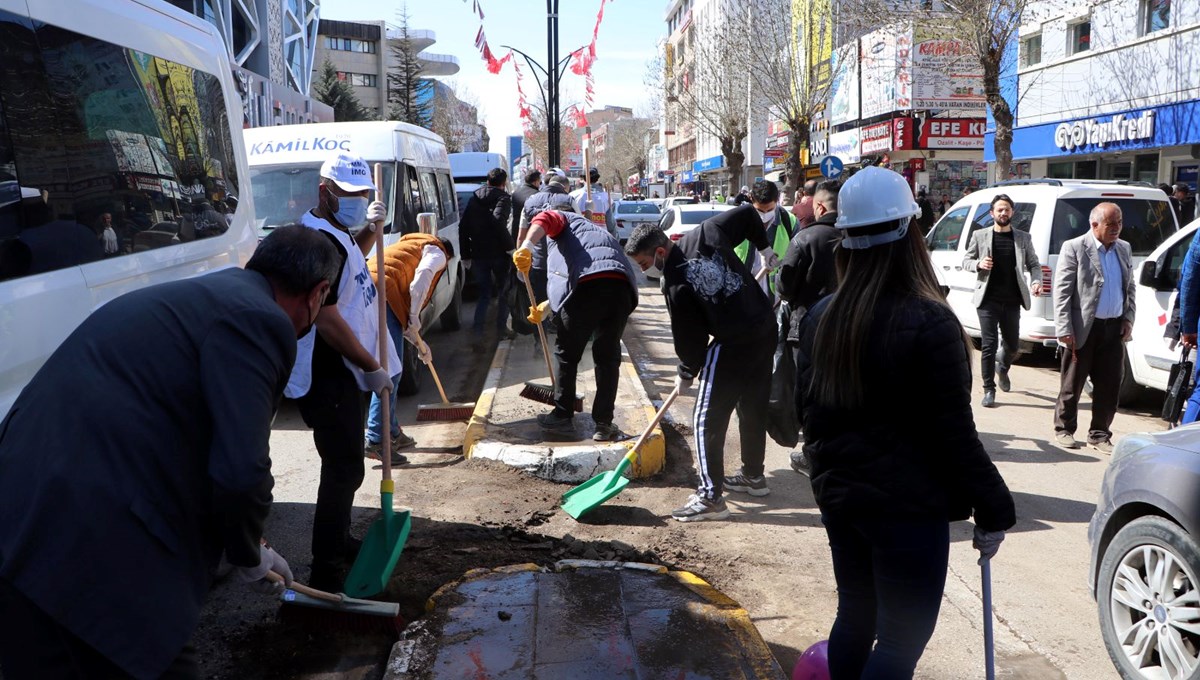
column 385, row 539
column 595, row 491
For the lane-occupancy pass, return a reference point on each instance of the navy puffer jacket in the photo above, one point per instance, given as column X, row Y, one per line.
column 912, row 448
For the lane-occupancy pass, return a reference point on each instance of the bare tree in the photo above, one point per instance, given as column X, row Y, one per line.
column 626, row 148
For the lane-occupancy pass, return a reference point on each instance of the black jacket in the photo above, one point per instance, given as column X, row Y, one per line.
column 519, row 197
column 484, row 229
column 808, row 272
column 710, row 292
column 912, row 448
column 925, row 221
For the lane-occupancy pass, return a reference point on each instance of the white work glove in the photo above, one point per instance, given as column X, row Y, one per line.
column 376, row 213
column 987, row 543
column 769, row 258
column 424, row 353
column 378, row 381
column 268, row 560
column 682, row 384
column 414, row 327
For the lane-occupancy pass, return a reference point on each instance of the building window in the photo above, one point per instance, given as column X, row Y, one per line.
column 1155, row 15
column 1079, row 37
column 350, row 45
column 359, row 79
column 1031, row 50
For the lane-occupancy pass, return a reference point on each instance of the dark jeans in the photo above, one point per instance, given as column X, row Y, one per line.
column 597, row 310
column 1102, row 358
column 735, row 377
column 890, row 573
column 1004, row 317
column 335, row 409
column 34, row 646
column 491, row 277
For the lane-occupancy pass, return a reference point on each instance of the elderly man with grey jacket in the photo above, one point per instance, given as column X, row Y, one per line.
column 1093, row 316
column 1000, row 257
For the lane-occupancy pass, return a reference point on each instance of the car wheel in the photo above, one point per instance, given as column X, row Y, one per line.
column 450, row 318
column 410, row 380
column 1147, row 595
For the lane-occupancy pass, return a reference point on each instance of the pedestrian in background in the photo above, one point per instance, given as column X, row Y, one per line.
column 1184, row 204
column 1001, row 257
column 532, row 184
column 743, row 196
column 889, row 474
column 592, row 294
column 1094, row 299
column 944, row 205
column 779, row 224
column 115, row 516
column 486, row 241
column 338, row 364
column 803, row 209
column 711, row 294
column 598, row 211
column 926, row 218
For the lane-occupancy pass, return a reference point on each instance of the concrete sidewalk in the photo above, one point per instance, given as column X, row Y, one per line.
column 504, row 426
column 584, row 619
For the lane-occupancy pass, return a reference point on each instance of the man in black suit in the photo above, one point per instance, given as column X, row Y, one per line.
column 114, row 516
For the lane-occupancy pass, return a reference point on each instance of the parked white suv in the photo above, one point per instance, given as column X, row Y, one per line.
column 1150, row 353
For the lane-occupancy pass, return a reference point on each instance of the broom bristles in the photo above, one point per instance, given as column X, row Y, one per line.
column 544, row 394
column 430, row 412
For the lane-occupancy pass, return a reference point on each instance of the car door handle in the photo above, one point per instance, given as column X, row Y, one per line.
column 946, row 267
column 958, row 269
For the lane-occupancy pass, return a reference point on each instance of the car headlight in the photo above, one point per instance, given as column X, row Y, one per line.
column 1129, row 445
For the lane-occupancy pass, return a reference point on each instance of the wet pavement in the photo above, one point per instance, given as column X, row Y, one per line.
column 584, row 619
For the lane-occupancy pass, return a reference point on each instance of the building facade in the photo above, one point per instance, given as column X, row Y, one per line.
column 271, row 47
column 1109, row 90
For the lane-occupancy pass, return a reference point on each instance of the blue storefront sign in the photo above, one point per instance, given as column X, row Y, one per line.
column 685, row 177
column 1149, row 128
column 708, row 164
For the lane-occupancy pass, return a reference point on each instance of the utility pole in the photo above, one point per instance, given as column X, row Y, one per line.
column 549, row 84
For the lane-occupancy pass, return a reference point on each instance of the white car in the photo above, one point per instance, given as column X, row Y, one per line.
column 1150, row 353
column 680, row 219
column 673, row 201
column 631, row 214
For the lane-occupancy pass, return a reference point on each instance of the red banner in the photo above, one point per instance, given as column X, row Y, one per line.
column 951, row 133
column 902, row 133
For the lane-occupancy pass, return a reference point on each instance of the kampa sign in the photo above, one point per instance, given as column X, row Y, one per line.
column 1098, row 133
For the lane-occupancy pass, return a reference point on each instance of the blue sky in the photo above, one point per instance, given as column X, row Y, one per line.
column 627, row 40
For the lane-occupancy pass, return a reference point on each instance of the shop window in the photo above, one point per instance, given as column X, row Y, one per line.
column 1079, row 37
column 1155, row 16
column 1064, row 170
column 1031, row 50
column 1086, row 170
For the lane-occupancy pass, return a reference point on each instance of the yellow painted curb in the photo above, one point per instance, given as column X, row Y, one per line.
column 738, row 620
column 477, row 425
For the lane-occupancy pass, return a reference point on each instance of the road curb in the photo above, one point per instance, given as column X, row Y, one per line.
column 567, row 463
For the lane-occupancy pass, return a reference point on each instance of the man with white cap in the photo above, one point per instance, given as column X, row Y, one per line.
column 336, row 366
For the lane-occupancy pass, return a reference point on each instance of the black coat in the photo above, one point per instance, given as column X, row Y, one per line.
column 137, row 454
column 912, row 448
column 519, row 197
column 808, row 272
column 484, row 228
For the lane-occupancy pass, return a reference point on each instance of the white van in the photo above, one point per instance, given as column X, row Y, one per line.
column 285, row 164
column 1150, row 352
column 472, row 167
column 1052, row 211
column 120, row 165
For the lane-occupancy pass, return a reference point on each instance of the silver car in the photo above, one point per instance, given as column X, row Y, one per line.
column 631, row 214
column 1145, row 558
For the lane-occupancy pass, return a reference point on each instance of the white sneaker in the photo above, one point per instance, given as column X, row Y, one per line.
column 699, row 509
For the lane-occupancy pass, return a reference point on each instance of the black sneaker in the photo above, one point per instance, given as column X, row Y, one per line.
column 1003, row 381
column 801, row 463
column 553, row 422
column 699, row 509
column 372, row 451
column 607, row 432
column 742, row 483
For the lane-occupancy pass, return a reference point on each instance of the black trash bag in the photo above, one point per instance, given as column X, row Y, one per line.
column 782, row 424
column 518, row 305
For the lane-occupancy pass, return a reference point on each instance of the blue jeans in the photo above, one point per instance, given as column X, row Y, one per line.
column 890, row 572
column 375, row 415
column 1192, row 410
column 491, row 277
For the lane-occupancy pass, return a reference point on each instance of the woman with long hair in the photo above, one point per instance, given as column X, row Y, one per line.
column 884, row 397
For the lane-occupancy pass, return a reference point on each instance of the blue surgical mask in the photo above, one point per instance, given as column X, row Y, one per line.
column 351, row 212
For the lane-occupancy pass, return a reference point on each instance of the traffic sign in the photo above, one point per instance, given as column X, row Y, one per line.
column 831, row 167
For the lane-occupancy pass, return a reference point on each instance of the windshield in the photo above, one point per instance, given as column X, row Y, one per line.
column 283, row 193
column 697, row 216
column 637, row 209
column 1145, row 223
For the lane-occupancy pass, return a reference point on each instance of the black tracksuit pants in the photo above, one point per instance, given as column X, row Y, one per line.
column 335, row 409
column 735, row 376
column 597, row 310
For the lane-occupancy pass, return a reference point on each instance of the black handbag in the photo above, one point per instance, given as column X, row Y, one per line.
column 1178, row 388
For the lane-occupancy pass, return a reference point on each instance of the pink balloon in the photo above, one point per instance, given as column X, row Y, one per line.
column 813, row 664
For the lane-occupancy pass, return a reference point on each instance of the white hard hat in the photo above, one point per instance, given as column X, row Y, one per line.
column 875, row 196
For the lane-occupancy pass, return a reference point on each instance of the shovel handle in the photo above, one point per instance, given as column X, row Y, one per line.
column 541, row 332
column 436, row 380
column 662, row 410
column 305, row 590
column 385, row 400
column 989, row 648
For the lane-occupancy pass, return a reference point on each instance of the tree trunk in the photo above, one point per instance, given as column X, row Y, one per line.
column 797, row 138
column 1001, row 112
column 731, row 148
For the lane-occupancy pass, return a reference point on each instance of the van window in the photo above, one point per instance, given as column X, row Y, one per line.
column 945, row 234
column 283, row 193
column 449, row 199
column 106, row 150
column 1146, row 223
column 1021, row 219
column 429, row 192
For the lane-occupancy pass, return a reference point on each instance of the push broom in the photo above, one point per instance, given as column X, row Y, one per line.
column 445, row 410
column 534, row 391
column 336, row 611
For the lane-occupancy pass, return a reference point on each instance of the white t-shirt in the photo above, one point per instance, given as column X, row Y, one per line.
column 356, row 300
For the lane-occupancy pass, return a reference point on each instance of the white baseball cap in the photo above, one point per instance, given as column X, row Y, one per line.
column 350, row 173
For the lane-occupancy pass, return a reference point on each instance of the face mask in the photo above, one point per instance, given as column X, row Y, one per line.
column 766, row 217
column 351, row 212
column 655, row 270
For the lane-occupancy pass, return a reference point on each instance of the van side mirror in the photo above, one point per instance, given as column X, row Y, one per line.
column 1149, row 275
column 427, row 223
